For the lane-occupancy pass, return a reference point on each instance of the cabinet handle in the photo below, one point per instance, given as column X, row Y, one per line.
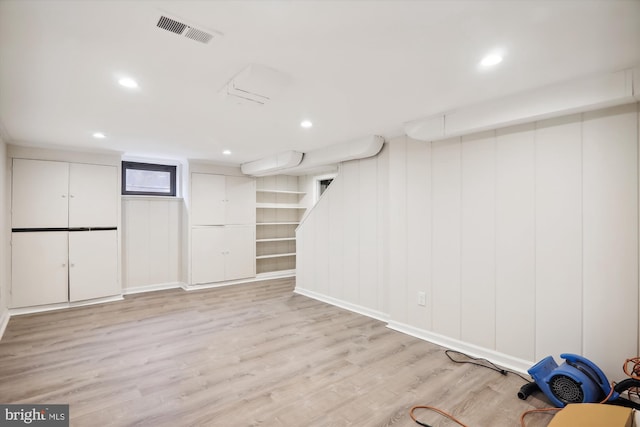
column 71, row 196
column 72, row 265
column 64, row 196
column 64, row 265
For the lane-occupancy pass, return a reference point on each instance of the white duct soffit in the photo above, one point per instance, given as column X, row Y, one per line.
column 272, row 164
column 576, row 96
column 315, row 159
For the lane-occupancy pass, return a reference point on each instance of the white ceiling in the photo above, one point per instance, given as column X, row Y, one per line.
column 357, row 68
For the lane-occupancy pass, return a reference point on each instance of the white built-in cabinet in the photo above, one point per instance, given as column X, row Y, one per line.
column 221, row 200
column 39, row 268
column 64, row 232
column 222, row 228
column 93, row 264
column 48, row 194
column 221, row 253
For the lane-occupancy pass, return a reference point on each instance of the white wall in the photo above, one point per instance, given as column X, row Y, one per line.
column 4, row 236
column 152, row 242
column 524, row 239
column 340, row 255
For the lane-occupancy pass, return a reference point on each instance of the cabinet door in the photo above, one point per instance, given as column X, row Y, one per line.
column 93, row 264
column 208, row 199
column 93, row 195
column 241, row 200
column 207, row 254
column 240, row 252
column 38, row 268
column 39, row 194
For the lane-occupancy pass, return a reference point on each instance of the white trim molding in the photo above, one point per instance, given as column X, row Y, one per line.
column 508, row 362
column 62, row 306
column 151, row 288
column 188, row 287
column 503, row 360
column 4, row 321
column 343, row 304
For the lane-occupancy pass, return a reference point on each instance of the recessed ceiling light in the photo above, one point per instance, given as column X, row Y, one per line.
column 227, row 152
column 306, row 124
column 128, row 82
column 491, row 60
column 99, row 135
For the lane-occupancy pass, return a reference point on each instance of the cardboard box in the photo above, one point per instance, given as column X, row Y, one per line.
column 593, row 415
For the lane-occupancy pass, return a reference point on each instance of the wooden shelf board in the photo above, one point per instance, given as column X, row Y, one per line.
column 280, row 239
column 277, row 206
column 280, row 191
column 275, row 255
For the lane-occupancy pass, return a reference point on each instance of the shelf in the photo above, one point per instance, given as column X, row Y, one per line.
column 280, row 191
column 276, row 255
column 277, row 206
column 277, row 223
column 280, row 239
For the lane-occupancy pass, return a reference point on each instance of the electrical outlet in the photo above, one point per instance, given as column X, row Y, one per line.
column 422, row 298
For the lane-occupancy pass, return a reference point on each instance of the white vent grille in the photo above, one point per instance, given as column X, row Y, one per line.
column 185, row 30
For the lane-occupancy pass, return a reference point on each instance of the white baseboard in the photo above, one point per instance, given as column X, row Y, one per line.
column 187, row 287
column 343, row 304
column 151, row 288
column 280, row 274
column 62, row 306
column 508, row 362
column 4, row 320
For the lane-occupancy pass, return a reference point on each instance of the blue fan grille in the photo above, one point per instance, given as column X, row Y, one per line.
column 566, row 389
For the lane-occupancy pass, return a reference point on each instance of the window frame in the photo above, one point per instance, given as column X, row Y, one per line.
column 155, row 167
column 316, row 187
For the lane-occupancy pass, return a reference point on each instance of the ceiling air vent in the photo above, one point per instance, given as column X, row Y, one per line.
column 255, row 85
column 185, row 30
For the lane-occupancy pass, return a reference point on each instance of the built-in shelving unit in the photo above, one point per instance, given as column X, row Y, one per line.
column 279, row 209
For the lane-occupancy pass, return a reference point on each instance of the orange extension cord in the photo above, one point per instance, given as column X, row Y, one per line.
column 633, row 372
column 439, row 411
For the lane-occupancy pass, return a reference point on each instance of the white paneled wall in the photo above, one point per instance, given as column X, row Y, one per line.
column 524, row 240
column 515, row 241
column 397, row 205
column 4, row 235
column 340, row 254
column 558, row 240
column 610, row 235
column 446, row 206
column 418, row 185
column 478, row 243
column 152, row 241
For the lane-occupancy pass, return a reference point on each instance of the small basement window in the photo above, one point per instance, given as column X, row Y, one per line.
column 148, row 179
column 324, row 184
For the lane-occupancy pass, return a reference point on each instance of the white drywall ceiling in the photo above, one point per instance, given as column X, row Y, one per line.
column 357, row 68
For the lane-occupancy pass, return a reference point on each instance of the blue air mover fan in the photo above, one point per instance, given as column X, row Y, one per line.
column 577, row 380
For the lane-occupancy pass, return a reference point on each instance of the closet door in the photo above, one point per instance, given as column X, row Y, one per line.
column 240, row 252
column 207, row 254
column 39, row 196
column 39, row 268
column 93, row 195
column 93, row 264
column 208, row 199
column 241, row 200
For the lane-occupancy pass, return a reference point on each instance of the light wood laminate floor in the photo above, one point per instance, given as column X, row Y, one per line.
column 245, row 355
